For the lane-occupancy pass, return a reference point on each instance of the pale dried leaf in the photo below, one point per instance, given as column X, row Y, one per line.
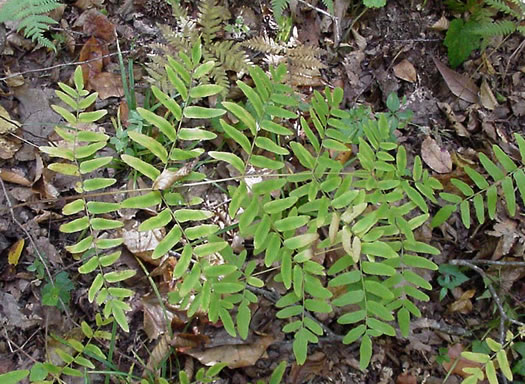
column 435, row 157
column 142, row 244
column 14, row 177
column 235, row 356
column 460, row 85
column 441, row 25
column 405, row 70
column 487, row 98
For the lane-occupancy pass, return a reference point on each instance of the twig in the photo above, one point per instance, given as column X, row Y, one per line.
column 500, row 263
column 60, row 66
column 493, row 293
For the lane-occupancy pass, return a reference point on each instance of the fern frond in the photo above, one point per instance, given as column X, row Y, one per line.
column 263, row 44
column 211, row 18
column 278, row 7
column 31, row 14
column 502, row 6
column 230, row 55
column 496, row 28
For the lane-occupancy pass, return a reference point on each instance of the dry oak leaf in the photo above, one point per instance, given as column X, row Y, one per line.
column 435, row 157
column 107, row 85
column 460, row 85
column 405, row 70
column 454, row 353
column 487, row 98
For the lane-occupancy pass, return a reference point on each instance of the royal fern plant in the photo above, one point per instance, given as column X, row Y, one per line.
column 32, row 18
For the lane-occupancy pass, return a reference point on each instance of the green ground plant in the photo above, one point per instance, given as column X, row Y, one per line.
column 289, row 196
column 480, row 25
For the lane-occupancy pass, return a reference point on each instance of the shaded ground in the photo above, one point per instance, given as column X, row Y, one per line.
column 370, row 63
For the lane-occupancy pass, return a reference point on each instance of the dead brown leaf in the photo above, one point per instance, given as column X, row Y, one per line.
column 235, row 356
column 405, row 70
column 92, row 51
column 87, row 4
column 460, row 85
column 98, row 25
column 463, row 304
column 107, row 85
column 506, row 231
column 435, row 157
column 14, row 177
column 454, row 353
column 406, row 378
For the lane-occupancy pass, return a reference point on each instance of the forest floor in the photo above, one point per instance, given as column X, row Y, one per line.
column 398, row 48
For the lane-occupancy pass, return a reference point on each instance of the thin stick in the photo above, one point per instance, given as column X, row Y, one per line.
column 59, row 66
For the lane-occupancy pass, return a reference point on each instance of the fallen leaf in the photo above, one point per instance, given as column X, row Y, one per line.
column 463, row 304
column 487, row 98
column 436, row 158
column 92, row 52
column 142, row 243
column 451, row 117
column 506, row 231
column 405, row 71
column 460, row 85
column 166, row 179
column 98, row 25
column 14, row 177
column 15, row 251
column 236, row 355
column 15, row 81
column 7, row 125
column 441, row 25
column 454, row 353
column 107, row 85
column 87, row 4
column 406, row 378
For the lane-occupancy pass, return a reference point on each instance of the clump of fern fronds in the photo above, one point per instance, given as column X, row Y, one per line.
column 481, row 24
column 228, row 55
column 302, row 60
column 32, row 18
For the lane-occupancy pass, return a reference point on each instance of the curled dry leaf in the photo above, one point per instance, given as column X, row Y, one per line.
column 7, row 125
column 451, row 117
column 441, row 25
column 460, row 85
column 235, row 356
column 166, row 179
column 142, row 244
column 463, row 304
column 15, row 251
column 405, row 71
column 487, row 98
column 435, row 157
column 14, row 177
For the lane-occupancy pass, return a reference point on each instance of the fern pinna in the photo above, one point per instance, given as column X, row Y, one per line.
column 32, row 16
